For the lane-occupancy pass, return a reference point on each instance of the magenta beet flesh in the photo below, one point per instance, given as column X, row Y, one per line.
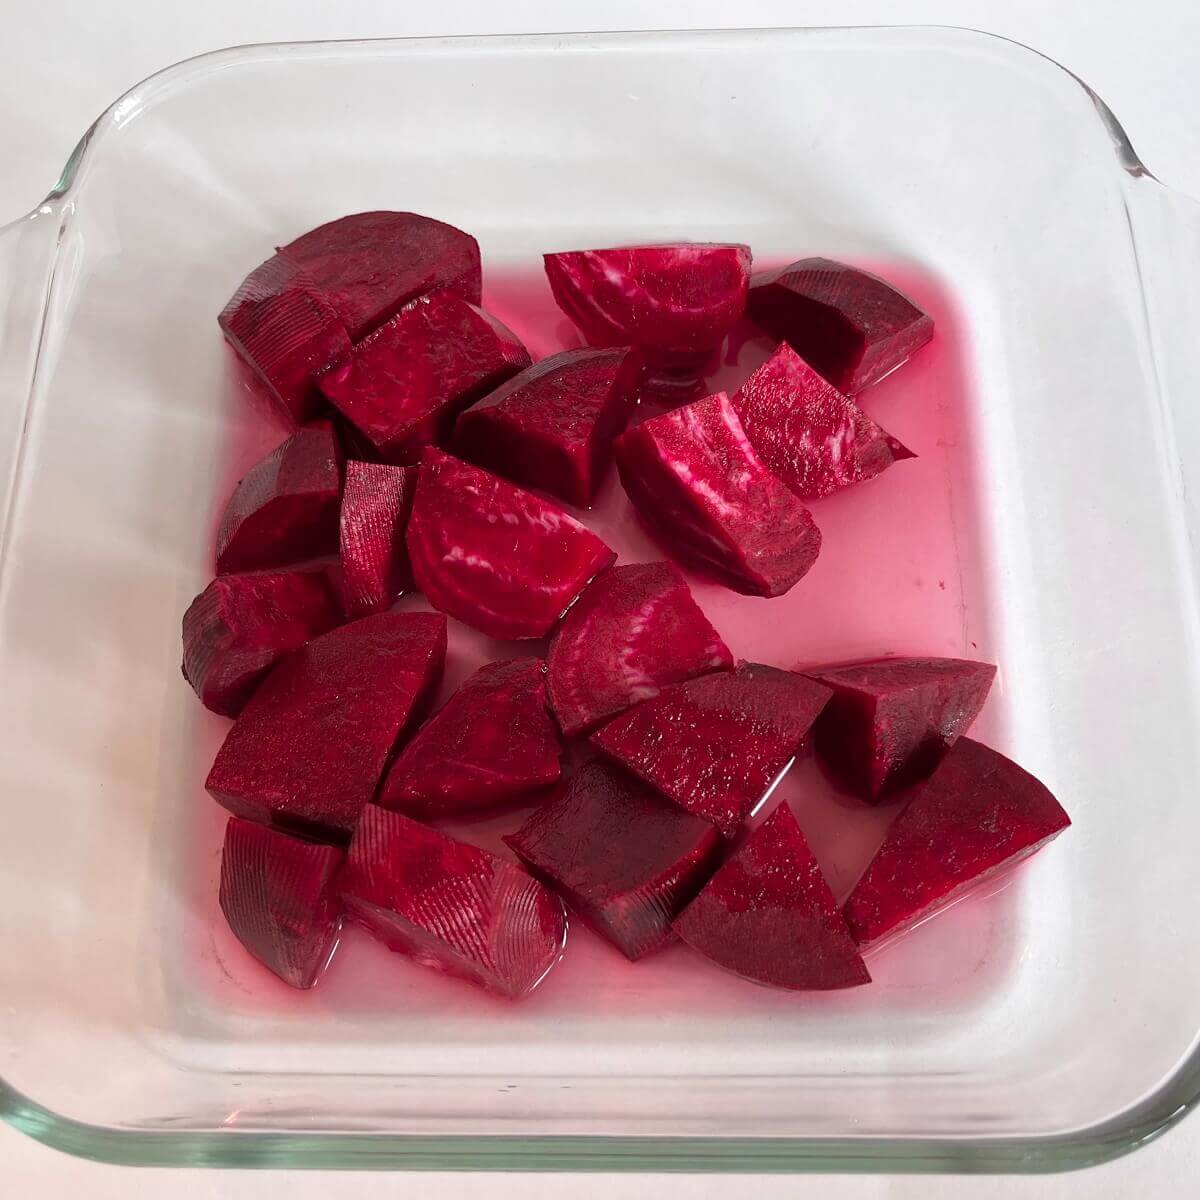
column 891, row 720
column 492, row 741
column 978, row 814
column 309, row 748
column 451, row 906
column 701, row 489
column 493, row 555
column 280, row 897
column 634, row 631
column 373, row 558
column 768, row 915
column 850, row 325
column 552, row 426
column 717, row 744
column 814, row 438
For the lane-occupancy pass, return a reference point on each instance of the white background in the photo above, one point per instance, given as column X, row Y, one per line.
column 62, row 62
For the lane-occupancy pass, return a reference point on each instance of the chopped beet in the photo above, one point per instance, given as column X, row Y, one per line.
column 309, row 748
column 891, row 720
column 403, row 385
column 280, row 898
column 285, row 509
column 814, row 438
column 241, row 625
column 493, row 555
column 768, row 915
column 373, row 559
column 492, row 741
column 699, row 486
column 635, row 630
column 717, row 744
column 849, row 324
column 552, row 426
column 451, row 906
column 978, row 814
column 626, row 860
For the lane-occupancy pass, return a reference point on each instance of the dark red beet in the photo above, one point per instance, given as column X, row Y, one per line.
column 309, row 748
column 698, row 485
column 285, row 509
column 492, row 741
column 768, row 915
column 891, row 720
column 978, row 815
column 625, row 859
column 851, row 325
column 280, row 898
column 552, row 426
column 241, row 625
column 451, row 906
column 494, row 555
column 814, row 438
column 403, row 385
column 635, row 630
column 373, row 557
column 367, row 266
column 717, row 744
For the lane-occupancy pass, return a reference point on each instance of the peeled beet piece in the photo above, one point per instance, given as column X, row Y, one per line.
column 849, row 324
column 241, row 625
column 717, row 744
column 403, row 385
column 493, row 555
column 552, row 426
column 625, row 859
column 814, row 438
column 285, row 509
column 699, row 486
column 280, row 898
column 768, row 915
column 979, row 814
column 891, row 720
column 451, row 906
column 309, row 748
column 373, row 558
column 635, row 630
column 492, row 741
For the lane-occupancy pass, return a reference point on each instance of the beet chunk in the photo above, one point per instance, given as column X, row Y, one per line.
column 241, row 625
column 891, row 720
column 717, row 744
column 493, row 555
column 309, row 748
column 768, row 915
column 978, row 814
column 451, row 906
column 280, row 898
column 635, row 630
column 373, row 557
column 849, row 324
column 492, row 741
column 701, row 489
column 403, row 385
column 552, row 426
column 814, row 438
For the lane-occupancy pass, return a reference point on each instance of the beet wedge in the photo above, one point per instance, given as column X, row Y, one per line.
column 451, row 906
column 494, row 740
column 978, row 815
column 279, row 895
column 852, row 326
column 700, row 488
column 634, row 631
column 768, row 915
column 493, row 555
column 716, row 745
column 308, row 750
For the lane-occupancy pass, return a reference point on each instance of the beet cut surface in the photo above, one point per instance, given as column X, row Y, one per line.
column 373, row 557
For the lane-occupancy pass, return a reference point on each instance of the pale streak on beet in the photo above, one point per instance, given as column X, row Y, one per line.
column 373, row 557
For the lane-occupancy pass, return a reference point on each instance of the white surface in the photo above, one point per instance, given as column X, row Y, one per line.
column 60, row 64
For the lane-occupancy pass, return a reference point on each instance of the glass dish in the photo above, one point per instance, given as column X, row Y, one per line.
column 1048, row 1026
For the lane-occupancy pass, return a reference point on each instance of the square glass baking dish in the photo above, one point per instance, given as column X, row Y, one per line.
column 1049, row 1026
